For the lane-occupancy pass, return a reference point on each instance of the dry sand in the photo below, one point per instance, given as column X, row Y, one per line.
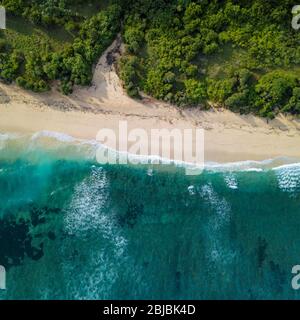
column 229, row 137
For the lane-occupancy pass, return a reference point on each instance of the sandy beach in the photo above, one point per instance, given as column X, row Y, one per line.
column 229, row 137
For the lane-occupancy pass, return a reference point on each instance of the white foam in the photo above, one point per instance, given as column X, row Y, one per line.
column 247, row 165
column 88, row 215
column 86, row 212
column 9, row 136
column 288, row 177
column 231, row 181
column 250, row 165
column 218, row 222
column 295, row 165
column 191, row 190
column 51, row 134
column 6, row 137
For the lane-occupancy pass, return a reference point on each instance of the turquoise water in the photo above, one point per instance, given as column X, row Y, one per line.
column 73, row 229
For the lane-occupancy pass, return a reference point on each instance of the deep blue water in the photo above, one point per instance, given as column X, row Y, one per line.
column 73, row 229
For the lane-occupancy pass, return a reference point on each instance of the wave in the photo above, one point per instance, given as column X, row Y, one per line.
column 288, row 177
column 254, row 165
column 56, row 142
column 51, row 134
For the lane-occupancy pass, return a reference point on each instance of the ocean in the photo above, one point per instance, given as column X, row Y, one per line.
column 71, row 228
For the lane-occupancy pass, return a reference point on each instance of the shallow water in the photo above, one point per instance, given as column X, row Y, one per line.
column 73, row 229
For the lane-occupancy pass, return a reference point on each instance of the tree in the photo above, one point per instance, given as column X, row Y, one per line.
column 220, row 90
column 274, row 91
column 195, row 91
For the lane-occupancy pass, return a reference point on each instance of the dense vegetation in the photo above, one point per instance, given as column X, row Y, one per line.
column 36, row 58
column 243, row 55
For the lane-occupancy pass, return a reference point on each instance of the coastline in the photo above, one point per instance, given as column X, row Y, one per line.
column 229, row 137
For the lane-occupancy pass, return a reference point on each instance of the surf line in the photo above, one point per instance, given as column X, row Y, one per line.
column 114, row 310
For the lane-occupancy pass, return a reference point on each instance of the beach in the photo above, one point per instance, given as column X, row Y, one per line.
column 124, row 172
column 229, row 137
column 143, row 232
column 82, row 230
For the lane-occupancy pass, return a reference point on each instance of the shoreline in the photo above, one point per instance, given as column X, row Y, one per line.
column 221, row 146
column 56, row 143
column 229, row 137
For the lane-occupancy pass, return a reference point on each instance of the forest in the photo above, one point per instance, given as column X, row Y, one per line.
column 241, row 55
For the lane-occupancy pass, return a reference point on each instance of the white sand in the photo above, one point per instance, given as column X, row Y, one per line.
column 228, row 137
